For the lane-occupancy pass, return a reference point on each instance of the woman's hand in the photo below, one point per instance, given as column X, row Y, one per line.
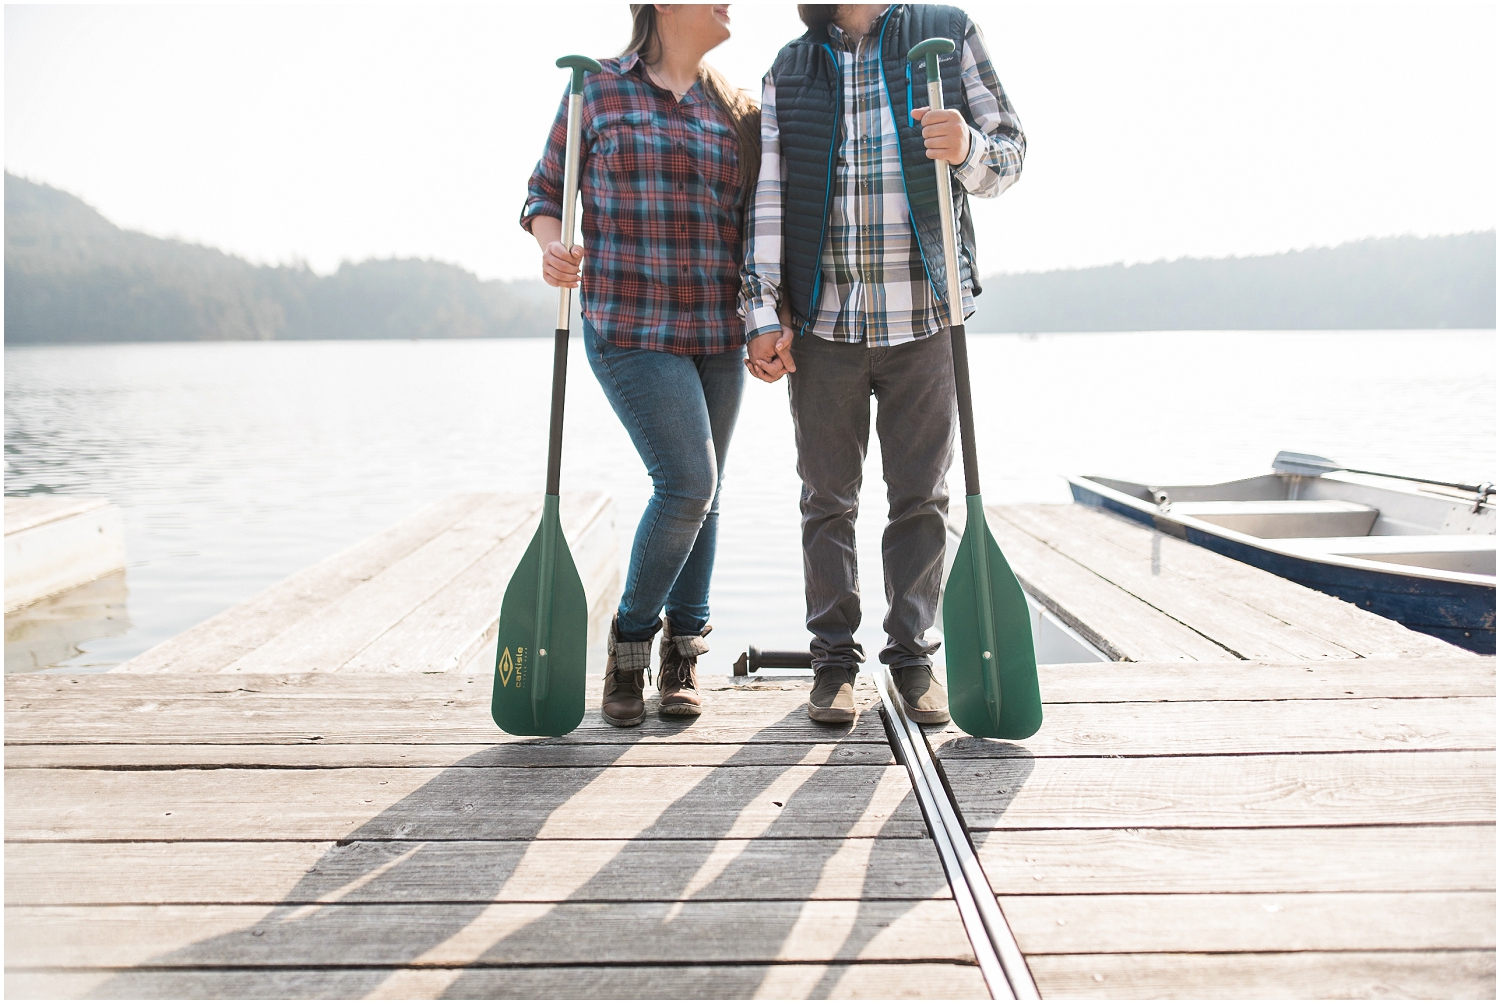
column 560, row 266
column 768, row 357
column 945, row 134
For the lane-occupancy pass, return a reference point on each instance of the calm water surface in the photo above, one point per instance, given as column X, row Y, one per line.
column 238, row 464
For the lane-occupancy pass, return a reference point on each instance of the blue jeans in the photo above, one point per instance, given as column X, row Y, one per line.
column 680, row 412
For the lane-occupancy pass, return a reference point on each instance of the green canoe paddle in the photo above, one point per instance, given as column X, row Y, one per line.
column 544, row 619
column 992, row 685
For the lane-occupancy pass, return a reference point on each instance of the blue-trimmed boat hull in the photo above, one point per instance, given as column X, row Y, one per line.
column 1462, row 614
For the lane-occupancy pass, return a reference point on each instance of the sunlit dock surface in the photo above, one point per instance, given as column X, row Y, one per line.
column 1279, row 795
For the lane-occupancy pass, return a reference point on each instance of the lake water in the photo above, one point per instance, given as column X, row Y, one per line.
column 237, row 464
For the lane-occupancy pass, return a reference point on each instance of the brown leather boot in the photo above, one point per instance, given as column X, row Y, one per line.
column 677, row 677
column 625, row 680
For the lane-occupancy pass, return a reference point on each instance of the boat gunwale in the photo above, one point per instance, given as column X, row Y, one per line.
column 1165, row 521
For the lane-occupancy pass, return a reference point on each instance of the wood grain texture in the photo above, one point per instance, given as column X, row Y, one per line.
column 312, row 755
column 350, row 708
column 857, row 981
column 1262, row 922
column 225, row 637
column 1326, row 616
column 293, row 873
column 1304, row 859
column 1180, row 728
column 1329, row 679
column 1244, row 630
column 494, row 934
column 1226, row 791
column 464, row 803
column 1123, row 626
column 1462, row 975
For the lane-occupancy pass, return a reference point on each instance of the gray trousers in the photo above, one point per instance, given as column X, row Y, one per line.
column 917, row 417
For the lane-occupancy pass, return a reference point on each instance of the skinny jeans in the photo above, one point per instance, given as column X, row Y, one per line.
column 680, row 412
column 917, row 419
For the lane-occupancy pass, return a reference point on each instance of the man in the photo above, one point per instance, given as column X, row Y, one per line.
column 844, row 292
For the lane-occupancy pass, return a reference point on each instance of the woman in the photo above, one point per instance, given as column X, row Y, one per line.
column 669, row 157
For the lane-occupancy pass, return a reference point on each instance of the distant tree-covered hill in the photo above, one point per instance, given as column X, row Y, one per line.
column 1393, row 282
column 72, row 276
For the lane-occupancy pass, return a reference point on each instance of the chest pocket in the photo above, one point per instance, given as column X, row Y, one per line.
column 626, row 140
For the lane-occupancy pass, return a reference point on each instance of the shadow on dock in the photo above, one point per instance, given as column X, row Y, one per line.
column 411, row 901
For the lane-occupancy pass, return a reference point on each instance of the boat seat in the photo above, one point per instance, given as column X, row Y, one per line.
column 1451, row 552
column 1280, row 518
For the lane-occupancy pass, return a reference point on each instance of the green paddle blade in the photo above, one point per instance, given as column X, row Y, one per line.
column 544, row 627
column 992, row 686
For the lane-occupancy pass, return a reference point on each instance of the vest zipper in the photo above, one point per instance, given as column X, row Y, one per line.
column 838, row 79
column 911, row 216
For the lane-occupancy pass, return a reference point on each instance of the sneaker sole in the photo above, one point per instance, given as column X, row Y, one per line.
column 623, row 723
column 928, row 717
column 834, row 715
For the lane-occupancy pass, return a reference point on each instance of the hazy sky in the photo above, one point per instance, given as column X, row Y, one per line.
column 1157, row 130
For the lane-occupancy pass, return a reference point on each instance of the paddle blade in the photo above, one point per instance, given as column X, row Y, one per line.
column 983, row 606
column 538, row 694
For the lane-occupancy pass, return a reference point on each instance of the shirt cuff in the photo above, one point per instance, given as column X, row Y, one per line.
column 760, row 320
column 971, row 173
column 538, row 207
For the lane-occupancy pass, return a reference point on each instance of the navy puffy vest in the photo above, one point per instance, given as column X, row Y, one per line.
column 809, row 99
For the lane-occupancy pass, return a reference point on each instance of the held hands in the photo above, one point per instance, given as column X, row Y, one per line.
column 768, row 357
column 945, row 133
column 560, row 267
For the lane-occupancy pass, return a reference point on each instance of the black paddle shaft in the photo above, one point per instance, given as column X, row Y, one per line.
column 559, row 392
column 965, row 409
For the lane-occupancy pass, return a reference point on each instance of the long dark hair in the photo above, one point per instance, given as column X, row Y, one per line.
column 743, row 112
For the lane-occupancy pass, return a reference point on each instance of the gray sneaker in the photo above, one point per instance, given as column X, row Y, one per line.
column 832, row 697
column 926, row 700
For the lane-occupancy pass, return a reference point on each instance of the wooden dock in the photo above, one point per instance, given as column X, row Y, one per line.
column 1279, row 795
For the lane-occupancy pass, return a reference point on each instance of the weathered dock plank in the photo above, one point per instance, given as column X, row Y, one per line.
column 497, row 933
column 784, row 981
column 1296, row 859
column 1258, row 922
column 1329, row 789
column 294, row 873
column 1462, row 975
column 444, row 708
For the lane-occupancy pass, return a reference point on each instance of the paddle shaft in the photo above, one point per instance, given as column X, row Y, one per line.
column 978, row 550
column 551, row 522
column 954, row 302
column 564, row 294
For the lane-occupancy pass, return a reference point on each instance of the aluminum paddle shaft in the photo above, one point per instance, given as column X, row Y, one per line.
column 986, row 621
column 542, row 636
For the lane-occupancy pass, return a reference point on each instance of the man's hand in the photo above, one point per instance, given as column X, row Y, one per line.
column 768, row 357
column 560, row 267
column 945, row 133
